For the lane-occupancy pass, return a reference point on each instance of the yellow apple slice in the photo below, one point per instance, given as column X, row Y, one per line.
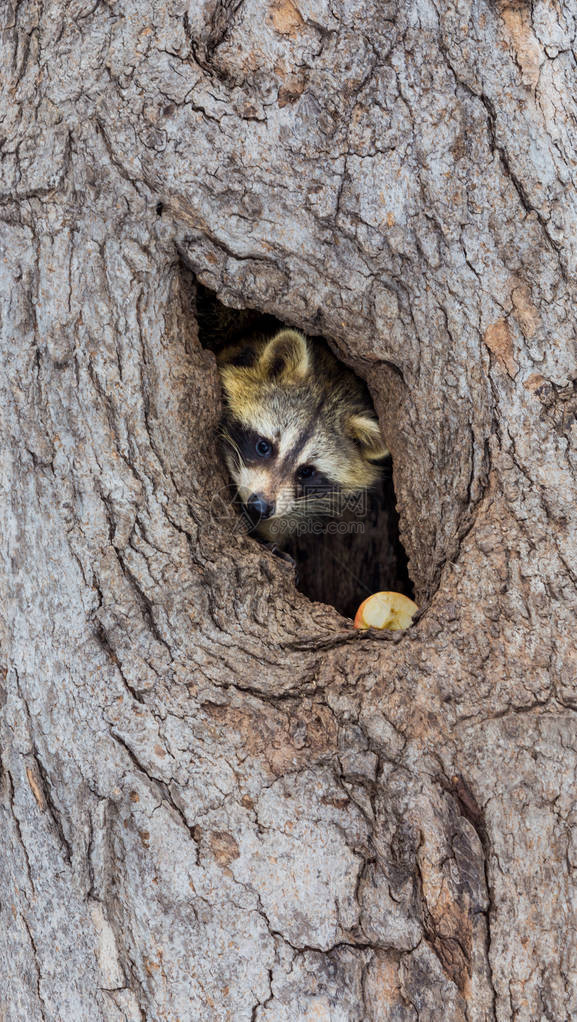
column 386, row 610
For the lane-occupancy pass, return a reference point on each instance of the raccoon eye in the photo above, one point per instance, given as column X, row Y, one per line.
column 263, row 447
column 306, row 472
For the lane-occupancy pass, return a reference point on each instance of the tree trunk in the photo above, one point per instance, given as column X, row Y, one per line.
column 219, row 801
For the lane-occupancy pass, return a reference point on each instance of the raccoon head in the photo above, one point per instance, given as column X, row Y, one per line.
column 298, row 428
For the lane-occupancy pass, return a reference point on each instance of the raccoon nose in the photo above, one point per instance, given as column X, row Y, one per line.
column 259, row 507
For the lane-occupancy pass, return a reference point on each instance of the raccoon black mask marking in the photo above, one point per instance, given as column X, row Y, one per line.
column 298, row 429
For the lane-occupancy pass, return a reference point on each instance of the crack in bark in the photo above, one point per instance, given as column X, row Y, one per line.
column 500, row 150
column 146, row 604
column 161, row 788
column 43, row 1007
column 53, row 810
column 11, row 790
column 101, row 637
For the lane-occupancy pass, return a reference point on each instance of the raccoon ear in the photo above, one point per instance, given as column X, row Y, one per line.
column 286, row 357
column 365, row 430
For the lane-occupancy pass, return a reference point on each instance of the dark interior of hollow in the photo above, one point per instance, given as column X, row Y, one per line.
column 363, row 555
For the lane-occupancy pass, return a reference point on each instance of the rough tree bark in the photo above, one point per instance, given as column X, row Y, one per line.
column 218, row 800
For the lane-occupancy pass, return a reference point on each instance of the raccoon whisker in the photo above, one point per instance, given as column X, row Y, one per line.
column 233, row 446
column 225, row 435
column 237, row 461
column 307, row 515
column 311, row 509
column 336, row 491
column 322, row 502
column 333, row 500
column 330, row 505
column 319, row 498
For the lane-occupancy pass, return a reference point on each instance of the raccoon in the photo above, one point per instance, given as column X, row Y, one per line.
column 299, row 432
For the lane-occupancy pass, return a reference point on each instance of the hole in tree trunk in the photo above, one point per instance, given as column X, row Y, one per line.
column 342, row 561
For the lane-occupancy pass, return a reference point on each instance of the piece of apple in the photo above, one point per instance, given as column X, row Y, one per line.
column 386, row 610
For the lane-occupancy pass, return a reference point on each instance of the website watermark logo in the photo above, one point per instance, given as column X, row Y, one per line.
column 325, row 511
column 285, row 527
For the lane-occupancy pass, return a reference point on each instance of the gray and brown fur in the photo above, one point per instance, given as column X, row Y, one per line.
column 315, row 414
